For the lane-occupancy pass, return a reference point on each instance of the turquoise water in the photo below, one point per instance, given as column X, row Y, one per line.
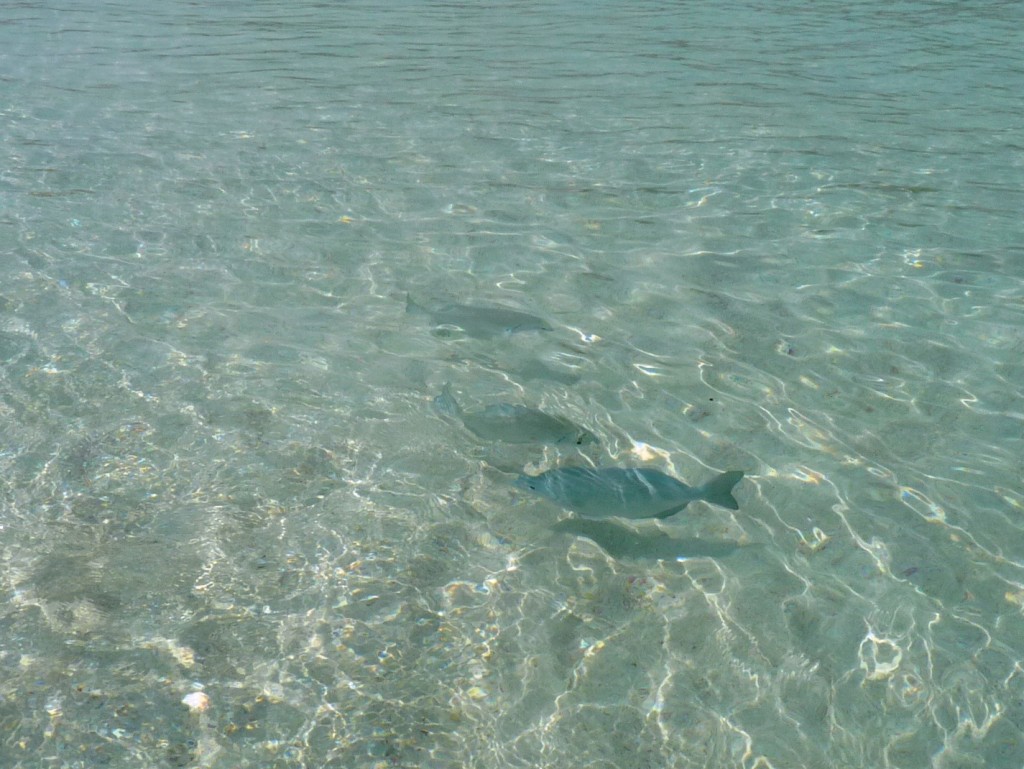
column 776, row 237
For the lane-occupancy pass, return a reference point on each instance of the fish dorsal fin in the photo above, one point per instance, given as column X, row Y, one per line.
column 446, row 404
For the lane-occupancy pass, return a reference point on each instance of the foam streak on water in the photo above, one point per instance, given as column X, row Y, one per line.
column 778, row 238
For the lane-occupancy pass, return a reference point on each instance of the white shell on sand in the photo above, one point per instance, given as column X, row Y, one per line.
column 197, row 702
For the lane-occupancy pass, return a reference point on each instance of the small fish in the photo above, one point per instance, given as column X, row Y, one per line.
column 480, row 321
column 513, row 424
column 620, row 492
column 624, row 542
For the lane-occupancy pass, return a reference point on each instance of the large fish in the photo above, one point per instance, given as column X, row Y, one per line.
column 513, row 424
column 479, row 320
column 620, row 492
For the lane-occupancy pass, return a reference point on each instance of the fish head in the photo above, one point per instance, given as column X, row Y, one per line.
column 527, row 483
column 584, row 437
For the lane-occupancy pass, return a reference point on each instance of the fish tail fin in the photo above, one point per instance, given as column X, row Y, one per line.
column 445, row 403
column 718, row 491
column 412, row 307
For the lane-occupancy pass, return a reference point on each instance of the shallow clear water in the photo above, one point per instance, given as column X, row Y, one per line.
column 771, row 237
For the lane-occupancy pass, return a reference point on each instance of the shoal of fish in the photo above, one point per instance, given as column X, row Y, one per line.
column 592, row 493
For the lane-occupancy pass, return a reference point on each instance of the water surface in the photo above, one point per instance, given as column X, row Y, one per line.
column 779, row 238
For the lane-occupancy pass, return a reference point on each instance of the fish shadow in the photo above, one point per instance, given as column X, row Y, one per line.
column 627, row 543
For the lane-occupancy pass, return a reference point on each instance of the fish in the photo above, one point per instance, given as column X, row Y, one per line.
column 627, row 543
column 621, row 492
column 479, row 320
column 513, row 424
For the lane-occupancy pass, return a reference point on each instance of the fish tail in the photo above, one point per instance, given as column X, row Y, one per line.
column 446, row 404
column 718, row 491
column 412, row 307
